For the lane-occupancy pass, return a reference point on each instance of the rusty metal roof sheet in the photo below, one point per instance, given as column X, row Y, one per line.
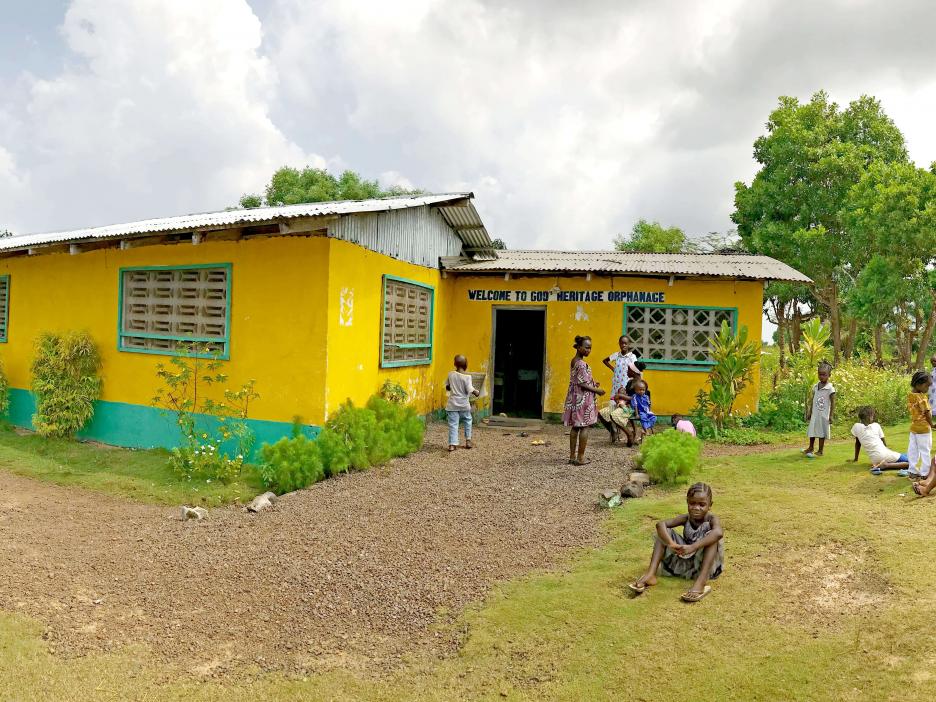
column 617, row 262
column 456, row 208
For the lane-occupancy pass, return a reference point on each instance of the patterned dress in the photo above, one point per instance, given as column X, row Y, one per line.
column 580, row 408
column 689, row 566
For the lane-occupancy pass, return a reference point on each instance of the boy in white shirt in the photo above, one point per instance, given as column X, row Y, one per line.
column 870, row 436
column 458, row 406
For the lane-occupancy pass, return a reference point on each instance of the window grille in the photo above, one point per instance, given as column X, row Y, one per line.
column 407, row 323
column 166, row 310
column 4, row 306
column 674, row 334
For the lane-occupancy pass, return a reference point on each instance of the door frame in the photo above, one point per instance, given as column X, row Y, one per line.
column 519, row 308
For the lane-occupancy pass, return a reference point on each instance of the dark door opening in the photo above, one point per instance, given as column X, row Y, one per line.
column 519, row 356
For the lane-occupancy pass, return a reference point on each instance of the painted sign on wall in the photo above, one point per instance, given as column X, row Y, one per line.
column 566, row 296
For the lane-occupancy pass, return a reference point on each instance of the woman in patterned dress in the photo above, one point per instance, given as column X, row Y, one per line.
column 580, row 410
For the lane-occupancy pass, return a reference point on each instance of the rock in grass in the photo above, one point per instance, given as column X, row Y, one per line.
column 639, row 477
column 261, row 502
column 197, row 513
column 610, row 498
column 632, row 489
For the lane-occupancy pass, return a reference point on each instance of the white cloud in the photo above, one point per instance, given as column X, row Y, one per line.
column 161, row 109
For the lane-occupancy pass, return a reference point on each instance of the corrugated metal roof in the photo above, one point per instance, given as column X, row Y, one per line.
column 613, row 262
column 470, row 228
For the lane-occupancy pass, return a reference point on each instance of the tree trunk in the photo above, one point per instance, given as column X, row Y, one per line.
column 878, row 344
column 797, row 331
column 781, row 333
column 927, row 337
column 835, row 314
column 852, row 338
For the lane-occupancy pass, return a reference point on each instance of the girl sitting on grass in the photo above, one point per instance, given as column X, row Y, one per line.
column 696, row 554
column 869, row 436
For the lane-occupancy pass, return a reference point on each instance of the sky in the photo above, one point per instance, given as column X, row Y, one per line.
column 569, row 121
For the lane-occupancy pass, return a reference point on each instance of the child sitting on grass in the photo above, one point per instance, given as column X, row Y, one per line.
column 458, row 406
column 869, row 436
column 696, row 554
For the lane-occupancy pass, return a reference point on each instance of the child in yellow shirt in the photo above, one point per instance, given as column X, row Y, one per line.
column 921, row 432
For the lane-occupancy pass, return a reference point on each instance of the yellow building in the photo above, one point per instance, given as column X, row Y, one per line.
column 320, row 303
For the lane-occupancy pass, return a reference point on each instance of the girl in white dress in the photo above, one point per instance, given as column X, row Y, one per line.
column 819, row 410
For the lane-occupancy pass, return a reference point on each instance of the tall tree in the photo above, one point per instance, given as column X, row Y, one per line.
column 652, row 237
column 291, row 186
column 811, row 156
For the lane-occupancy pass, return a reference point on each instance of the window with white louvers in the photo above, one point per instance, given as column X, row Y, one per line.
column 666, row 334
column 165, row 310
column 4, row 306
column 407, row 323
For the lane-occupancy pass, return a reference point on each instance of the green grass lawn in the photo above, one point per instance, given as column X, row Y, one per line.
column 139, row 475
column 826, row 596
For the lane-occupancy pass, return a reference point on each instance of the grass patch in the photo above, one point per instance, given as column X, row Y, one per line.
column 139, row 475
column 824, row 597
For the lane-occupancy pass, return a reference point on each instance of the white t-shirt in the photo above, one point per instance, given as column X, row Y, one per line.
column 870, row 437
column 460, row 389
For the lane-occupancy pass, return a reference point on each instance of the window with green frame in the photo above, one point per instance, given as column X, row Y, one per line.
column 166, row 309
column 673, row 334
column 406, row 322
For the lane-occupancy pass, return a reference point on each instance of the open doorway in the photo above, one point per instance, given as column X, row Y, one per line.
column 519, row 361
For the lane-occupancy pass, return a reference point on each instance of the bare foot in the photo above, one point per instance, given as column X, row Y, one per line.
column 451, row 448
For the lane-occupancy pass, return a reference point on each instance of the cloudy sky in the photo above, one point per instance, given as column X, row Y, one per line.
column 568, row 120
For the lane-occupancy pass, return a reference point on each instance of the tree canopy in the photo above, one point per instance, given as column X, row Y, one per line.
column 291, row 186
column 652, row 237
column 838, row 198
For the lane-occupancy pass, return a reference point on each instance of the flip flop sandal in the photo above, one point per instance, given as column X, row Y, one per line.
column 809, row 454
column 903, row 473
column 451, row 449
column 690, row 596
column 876, row 471
column 637, row 588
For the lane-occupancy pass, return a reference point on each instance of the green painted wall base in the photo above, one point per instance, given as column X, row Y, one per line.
column 138, row 426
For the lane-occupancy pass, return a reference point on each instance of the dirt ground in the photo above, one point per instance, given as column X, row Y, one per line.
column 358, row 570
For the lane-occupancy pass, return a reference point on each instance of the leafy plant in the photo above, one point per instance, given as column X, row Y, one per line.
column 735, row 357
column 393, row 392
column 65, row 382
column 814, row 342
column 291, row 463
column 216, row 438
column 4, row 391
column 669, row 457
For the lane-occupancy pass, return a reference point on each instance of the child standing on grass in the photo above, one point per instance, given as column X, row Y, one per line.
column 580, row 410
column 458, row 407
column 921, row 427
column 819, row 410
column 696, row 554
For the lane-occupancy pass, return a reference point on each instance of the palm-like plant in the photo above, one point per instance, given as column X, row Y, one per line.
column 735, row 357
column 815, row 340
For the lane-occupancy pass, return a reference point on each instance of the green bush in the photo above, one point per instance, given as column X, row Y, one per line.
column 355, row 437
column 65, row 382
column 291, row 463
column 669, row 457
column 4, row 392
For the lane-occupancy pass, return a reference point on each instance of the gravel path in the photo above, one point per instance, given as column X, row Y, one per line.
column 355, row 570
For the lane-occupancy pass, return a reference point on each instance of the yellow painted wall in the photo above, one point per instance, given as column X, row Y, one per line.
column 354, row 329
column 672, row 391
column 278, row 317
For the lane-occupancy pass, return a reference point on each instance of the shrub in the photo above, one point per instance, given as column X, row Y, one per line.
column 4, row 392
column 393, row 392
column 215, row 446
column 735, row 357
column 291, row 463
column 65, row 382
column 669, row 457
column 355, row 437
